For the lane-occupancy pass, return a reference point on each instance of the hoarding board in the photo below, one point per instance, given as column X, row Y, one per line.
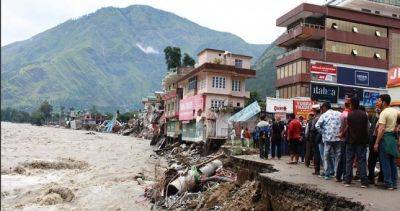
column 393, row 77
column 279, row 105
column 188, row 107
column 323, row 72
column 302, row 108
column 324, row 93
column 349, row 92
column 359, row 77
column 370, row 98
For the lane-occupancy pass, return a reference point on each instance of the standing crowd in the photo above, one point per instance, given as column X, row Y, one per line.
column 337, row 142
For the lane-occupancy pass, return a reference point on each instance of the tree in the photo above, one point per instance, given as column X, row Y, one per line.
column 254, row 96
column 37, row 118
column 172, row 57
column 188, row 61
column 46, row 109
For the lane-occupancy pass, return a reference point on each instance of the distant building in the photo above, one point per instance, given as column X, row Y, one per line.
column 211, row 92
column 338, row 50
column 172, row 96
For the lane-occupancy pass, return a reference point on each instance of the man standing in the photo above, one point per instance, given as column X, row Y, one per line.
column 233, row 135
column 316, row 138
column 357, row 141
column 329, row 126
column 264, row 128
column 341, row 169
column 309, row 141
column 276, row 140
column 242, row 132
column 386, row 141
column 374, row 156
column 294, row 138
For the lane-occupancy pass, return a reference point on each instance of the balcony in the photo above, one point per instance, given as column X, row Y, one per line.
column 301, row 33
column 298, row 53
column 245, row 94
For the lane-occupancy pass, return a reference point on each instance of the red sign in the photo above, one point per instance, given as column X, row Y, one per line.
column 189, row 105
column 302, row 108
column 323, row 68
column 393, row 77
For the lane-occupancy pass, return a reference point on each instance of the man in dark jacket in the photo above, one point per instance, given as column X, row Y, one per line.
column 357, row 142
column 309, row 141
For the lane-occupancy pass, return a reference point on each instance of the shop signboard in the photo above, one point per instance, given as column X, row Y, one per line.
column 323, row 72
column 302, row 108
column 370, row 98
column 279, row 105
column 359, row 77
column 189, row 106
column 324, row 93
column 393, row 77
column 349, row 92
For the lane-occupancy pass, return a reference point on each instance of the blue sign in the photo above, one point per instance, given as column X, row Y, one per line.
column 246, row 113
column 370, row 98
column 358, row 77
column 361, row 78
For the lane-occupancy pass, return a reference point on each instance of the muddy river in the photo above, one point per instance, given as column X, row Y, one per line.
column 53, row 168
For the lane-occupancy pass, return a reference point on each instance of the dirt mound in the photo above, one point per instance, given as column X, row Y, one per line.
column 245, row 198
column 217, row 196
column 62, row 164
column 57, row 195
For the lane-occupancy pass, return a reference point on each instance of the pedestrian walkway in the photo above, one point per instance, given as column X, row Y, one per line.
column 372, row 198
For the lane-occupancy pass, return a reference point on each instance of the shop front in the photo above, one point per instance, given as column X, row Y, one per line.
column 393, row 85
column 190, row 111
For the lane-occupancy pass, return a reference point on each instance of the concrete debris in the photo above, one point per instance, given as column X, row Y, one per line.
column 190, row 177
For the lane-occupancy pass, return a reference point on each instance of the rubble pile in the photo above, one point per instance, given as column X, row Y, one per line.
column 193, row 181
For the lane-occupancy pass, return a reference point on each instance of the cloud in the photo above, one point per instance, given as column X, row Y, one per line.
column 148, row 49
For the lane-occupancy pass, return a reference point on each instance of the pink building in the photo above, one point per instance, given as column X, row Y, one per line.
column 212, row 92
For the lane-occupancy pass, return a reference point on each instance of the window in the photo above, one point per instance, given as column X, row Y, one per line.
column 236, row 85
column 238, row 63
column 202, row 84
column 238, row 104
column 377, row 12
column 218, row 82
column 217, row 103
column 192, row 83
column 394, row 15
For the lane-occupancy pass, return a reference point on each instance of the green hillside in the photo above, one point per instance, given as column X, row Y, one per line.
column 264, row 83
column 110, row 58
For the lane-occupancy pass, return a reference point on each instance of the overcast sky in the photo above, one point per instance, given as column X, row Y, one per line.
column 252, row 20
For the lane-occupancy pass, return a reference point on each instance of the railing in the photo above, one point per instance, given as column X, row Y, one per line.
column 309, row 25
column 303, row 48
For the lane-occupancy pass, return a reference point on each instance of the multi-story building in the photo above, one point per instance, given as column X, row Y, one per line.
column 211, row 92
column 337, row 51
column 172, row 96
